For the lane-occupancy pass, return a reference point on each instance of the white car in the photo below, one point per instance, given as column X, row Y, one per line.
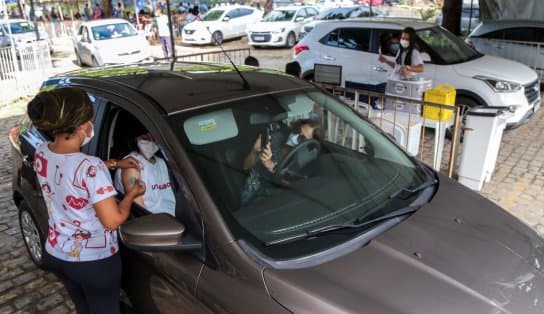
column 326, row 4
column 23, row 33
column 220, row 23
column 281, row 27
column 480, row 80
column 110, row 41
column 341, row 13
column 522, row 41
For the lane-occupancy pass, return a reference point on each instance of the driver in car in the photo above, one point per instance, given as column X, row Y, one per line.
column 261, row 162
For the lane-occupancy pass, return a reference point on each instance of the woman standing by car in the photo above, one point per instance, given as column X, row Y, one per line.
column 81, row 246
column 408, row 61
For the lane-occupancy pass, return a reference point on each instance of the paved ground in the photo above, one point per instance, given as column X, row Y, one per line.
column 516, row 185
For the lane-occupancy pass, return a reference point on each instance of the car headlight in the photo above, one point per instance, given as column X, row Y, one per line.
column 278, row 31
column 500, row 86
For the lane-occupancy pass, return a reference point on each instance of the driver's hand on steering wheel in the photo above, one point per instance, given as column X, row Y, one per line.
column 266, row 158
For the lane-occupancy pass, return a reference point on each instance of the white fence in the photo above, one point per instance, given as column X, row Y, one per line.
column 23, row 71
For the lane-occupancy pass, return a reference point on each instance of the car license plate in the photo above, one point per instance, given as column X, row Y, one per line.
column 258, row 38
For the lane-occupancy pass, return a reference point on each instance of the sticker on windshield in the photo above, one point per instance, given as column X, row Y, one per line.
column 206, row 125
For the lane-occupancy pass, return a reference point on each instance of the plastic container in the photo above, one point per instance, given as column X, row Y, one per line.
column 442, row 94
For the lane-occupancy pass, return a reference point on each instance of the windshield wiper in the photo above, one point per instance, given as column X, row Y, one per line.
column 412, row 191
column 325, row 229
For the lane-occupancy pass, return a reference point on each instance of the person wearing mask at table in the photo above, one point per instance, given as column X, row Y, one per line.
column 83, row 214
column 408, row 61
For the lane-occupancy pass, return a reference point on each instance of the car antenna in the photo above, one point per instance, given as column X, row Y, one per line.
column 246, row 84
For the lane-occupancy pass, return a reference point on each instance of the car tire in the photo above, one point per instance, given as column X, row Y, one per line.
column 95, row 62
column 217, row 38
column 291, row 40
column 32, row 237
column 78, row 59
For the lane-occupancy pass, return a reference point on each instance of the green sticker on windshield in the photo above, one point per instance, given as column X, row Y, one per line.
column 206, row 125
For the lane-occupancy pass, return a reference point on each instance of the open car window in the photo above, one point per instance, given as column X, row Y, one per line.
column 345, row 170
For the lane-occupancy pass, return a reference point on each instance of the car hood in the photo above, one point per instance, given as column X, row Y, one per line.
column 29, row 36
column 459, row 253
column 122, row 45
column 498, row 68
column 270, row 26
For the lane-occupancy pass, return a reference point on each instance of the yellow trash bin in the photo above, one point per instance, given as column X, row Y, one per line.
column 442, row 94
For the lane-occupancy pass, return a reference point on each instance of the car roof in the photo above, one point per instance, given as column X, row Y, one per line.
column 190, row 85
column 495, row 25
column 395, row 23
column 103, row 22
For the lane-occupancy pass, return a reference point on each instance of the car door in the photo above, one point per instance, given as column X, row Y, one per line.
column 349, row 48
column 246, row 16
column 232, row 26
column 155, row 282
column 299, row 20
column 84, row 45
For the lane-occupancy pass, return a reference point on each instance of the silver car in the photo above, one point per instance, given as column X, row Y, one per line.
column 518, row 40
column 22, row 33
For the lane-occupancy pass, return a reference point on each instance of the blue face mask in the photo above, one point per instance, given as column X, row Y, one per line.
column 394, row 47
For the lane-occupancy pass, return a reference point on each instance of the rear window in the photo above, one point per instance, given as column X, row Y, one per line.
column 349, row 38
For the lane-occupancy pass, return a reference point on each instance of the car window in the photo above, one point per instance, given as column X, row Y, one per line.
column 112, row 31
column 245, row 12
column 85, row 35
column 445, row 47
column 311, row 12
column 213, row 15
column 22, row 27
column 301, row 13
column 499, row 34
column 527, row 34
column 339, row 169
column 233, row 13
column 279, row 16
column 350, row 38
column 386, row 38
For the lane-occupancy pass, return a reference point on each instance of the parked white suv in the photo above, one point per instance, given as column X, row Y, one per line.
column 23, row 34
column 518, row 40
column 223, row 22
column 480, row 80
column 281, row 27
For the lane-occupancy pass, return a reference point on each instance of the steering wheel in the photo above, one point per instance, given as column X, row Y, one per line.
column 300, row 156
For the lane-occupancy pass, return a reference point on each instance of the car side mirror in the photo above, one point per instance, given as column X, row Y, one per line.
column 226, row 19
column 299, row 19
column 157, row 232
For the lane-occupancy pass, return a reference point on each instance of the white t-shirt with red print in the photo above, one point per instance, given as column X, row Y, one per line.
column 71, row 184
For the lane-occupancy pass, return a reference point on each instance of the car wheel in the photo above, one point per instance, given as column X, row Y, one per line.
column 217, row 38
column 95, row 62
column 291, row 40
column 31, row 235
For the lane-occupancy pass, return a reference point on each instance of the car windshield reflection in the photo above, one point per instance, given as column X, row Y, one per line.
column 327, row 166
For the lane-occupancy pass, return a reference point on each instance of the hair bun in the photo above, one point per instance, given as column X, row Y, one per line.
column 60, row 110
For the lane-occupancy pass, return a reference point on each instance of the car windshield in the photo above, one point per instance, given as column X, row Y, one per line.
column 22, row 27
column 335, row 14
column 445, row 46
column 279, row 16
column 112, row 31
column 213, row 15
column 330, row 166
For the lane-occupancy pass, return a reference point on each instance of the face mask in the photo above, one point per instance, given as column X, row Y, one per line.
column 147, row 148
column 404, row 43
column 88, row 138
column 394, row 47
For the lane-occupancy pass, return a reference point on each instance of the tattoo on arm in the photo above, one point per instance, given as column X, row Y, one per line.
column 131, row 181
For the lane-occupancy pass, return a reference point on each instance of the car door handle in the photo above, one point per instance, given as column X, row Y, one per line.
column 329, row 58
column 27, row 162
column 379, row 69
